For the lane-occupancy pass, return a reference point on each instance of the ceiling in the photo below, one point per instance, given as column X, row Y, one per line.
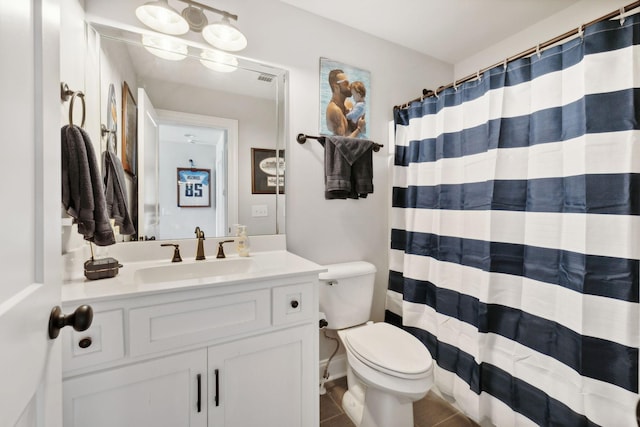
column 467, row 26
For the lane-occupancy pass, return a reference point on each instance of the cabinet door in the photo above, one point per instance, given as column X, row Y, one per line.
column 160, row 392
column 264, row 381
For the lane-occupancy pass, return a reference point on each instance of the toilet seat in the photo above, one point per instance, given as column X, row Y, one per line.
column 389, row 349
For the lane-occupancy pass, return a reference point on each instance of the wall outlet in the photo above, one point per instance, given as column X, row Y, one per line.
column 259, row 210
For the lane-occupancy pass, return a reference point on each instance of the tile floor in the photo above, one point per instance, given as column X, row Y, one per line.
column 431, row 411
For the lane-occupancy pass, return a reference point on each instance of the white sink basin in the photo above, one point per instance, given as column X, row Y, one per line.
column 194, row 270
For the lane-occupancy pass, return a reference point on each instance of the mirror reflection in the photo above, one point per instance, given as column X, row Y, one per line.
column 199, row 120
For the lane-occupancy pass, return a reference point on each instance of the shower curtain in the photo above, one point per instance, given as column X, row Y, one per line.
column 515, row 234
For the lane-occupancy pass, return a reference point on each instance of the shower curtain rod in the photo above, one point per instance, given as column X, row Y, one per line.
column 427, row 92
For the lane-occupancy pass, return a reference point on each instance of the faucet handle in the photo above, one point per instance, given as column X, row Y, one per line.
column 176, row 251
column 221, row 249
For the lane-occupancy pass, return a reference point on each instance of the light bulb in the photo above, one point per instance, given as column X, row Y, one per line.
column 219, row 61
column 165, row 48
column 162, row 17
column 224, row 36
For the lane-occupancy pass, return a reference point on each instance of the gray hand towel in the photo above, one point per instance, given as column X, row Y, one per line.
column 82, row 191
column 116, row 192
column 348, row 165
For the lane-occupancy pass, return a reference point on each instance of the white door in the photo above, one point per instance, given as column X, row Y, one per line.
column 30, row 376
column 148, row 198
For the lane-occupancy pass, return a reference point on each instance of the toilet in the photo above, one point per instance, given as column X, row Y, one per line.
column 387, row 368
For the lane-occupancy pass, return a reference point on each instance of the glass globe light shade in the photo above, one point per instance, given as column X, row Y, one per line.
column 159, row 16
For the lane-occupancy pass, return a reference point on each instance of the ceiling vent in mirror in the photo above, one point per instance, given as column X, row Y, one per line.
column 264, row 77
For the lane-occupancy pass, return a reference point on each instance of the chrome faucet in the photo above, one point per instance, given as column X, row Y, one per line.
column 200, row 248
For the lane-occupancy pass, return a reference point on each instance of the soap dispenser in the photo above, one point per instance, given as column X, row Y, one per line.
column 242, row 240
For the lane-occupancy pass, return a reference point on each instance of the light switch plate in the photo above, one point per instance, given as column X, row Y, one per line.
column 259, row 210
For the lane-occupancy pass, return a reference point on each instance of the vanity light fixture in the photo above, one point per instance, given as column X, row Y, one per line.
column 224, row 35
column 165, row 47
column 159, row 16
column 219, row 61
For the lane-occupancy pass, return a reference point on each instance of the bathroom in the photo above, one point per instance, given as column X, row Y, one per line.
column 320, row 230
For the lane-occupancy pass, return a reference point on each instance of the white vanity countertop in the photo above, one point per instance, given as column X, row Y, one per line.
column 266, row 265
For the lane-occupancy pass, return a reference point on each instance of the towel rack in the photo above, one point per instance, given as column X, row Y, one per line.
column 302, row 138
column 66, row 94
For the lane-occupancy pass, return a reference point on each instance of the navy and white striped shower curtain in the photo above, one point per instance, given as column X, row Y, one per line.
column 515, row 234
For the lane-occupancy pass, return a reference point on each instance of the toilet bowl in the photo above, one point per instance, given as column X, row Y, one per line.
column 387, row 368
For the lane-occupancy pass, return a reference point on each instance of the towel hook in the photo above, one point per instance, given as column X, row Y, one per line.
column 80, row 95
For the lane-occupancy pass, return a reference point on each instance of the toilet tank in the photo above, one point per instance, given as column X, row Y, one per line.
column 346, row 293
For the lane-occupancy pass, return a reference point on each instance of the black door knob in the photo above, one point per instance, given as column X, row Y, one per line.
column 294, row 304
column 80, row 320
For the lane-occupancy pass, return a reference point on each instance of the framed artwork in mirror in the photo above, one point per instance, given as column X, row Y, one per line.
column 267, row 171
column 111, row 128
column 194, row 188
column 129, row 131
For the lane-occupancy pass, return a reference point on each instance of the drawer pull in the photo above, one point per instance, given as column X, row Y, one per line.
column 85, row 342
column 199, row 403
column 294, row 304
column 216, row 399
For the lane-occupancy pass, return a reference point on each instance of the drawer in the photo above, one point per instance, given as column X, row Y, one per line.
column 175, row 325
column 102, row 342
column 293, row 303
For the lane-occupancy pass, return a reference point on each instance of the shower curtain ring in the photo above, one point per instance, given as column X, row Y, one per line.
column 538, row 50
column 622, row 17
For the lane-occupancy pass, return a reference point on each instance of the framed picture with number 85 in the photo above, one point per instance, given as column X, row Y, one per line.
column 194, row 188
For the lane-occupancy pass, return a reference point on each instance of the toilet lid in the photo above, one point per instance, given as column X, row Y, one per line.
column 389, row 348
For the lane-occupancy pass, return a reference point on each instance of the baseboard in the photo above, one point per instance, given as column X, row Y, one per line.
column 337, row 367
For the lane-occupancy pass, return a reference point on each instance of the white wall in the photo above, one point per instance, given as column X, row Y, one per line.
column 572, row 17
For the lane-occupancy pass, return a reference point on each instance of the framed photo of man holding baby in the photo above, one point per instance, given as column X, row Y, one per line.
column 344, row 99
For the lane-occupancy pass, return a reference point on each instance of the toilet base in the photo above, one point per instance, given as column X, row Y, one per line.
column 379, row 409
column 352, row 407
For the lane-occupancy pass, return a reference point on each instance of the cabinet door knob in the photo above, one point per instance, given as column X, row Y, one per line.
column 294, row 303
column 80, row 319
column 85, row 342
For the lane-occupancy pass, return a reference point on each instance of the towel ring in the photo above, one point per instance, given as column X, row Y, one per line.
column 80, row 95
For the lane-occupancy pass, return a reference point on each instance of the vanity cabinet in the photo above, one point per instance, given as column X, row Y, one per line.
column 159, row 392
column 242, row 355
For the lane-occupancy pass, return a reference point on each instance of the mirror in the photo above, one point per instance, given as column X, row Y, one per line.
column 195, row 112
